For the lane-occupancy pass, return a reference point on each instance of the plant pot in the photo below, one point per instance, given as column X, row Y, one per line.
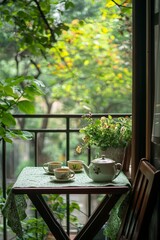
column 116, row 154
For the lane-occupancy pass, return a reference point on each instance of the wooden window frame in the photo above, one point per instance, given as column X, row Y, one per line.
column 143, row 80
column 139, row 84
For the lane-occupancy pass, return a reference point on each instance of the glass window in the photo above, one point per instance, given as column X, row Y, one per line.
column 156, row 120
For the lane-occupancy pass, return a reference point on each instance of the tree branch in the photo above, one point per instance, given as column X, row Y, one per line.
column 121, row 5
column 52, row 34
column 45, row 20
column 37, row 68
column 17, row 63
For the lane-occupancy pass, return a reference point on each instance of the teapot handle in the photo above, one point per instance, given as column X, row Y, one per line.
column 118, row 168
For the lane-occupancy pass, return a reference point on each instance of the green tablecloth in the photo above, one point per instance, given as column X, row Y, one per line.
column 36, row 177
column 15, row 206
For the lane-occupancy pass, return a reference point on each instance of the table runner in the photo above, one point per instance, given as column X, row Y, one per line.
column 15, row 206
column 36, row 177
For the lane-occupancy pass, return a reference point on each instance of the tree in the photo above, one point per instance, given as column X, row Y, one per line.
column 83, row 60
column 30, row 28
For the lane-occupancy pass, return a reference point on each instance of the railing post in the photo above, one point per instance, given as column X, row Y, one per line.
column 36, row 149
column 67, row 158
column 4, row 177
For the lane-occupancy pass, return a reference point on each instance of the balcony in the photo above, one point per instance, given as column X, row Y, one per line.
column 55, row 137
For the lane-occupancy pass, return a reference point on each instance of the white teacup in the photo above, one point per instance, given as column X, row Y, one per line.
column 50, row 166
column 63, row 173
column 75, row 165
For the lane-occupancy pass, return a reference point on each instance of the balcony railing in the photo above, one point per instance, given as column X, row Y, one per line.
column 46, row 130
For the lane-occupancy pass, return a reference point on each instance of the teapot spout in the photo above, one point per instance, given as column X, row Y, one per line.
column 86, row 168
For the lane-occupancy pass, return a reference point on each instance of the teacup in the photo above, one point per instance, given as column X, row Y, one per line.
column 75, row 165
column 50, row 166
column 63, row 173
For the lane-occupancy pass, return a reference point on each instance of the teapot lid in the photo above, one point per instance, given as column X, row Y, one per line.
column 103, row 160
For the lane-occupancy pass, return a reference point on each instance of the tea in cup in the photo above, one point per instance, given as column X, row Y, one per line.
column 75, row 165
column 50, row 166
column 63, row 173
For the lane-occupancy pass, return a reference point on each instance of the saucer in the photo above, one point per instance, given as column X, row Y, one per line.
column 62, row 180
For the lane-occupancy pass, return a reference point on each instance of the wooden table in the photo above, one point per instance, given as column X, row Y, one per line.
column 29, row 183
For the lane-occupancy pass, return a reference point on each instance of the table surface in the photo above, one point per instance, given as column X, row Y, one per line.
column 35, row 179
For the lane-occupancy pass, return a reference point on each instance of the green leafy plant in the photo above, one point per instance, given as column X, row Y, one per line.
column 16, row 95
column 106, row 132
column 36, row 228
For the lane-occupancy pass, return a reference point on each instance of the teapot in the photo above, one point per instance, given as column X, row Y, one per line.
column 102, row 169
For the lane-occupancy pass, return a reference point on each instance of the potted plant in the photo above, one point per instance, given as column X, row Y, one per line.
column 110, row 135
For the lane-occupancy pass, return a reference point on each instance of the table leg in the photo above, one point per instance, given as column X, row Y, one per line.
column 98, row 218
column 47, row 215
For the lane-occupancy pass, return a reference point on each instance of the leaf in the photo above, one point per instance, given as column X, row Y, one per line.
column 81, row 22
column 110, row 4
column 86, row 62
column 6, row 139
column 74, row 206
column 31, row 91
column 104, row 30
column 26, row 106
column 7, row 119
column 63, row 26
column 68, row 5
column 9, row 91
column 39, row 83
column 14, row 81
column 2, row 131
column 26, row 135
column 21, row 134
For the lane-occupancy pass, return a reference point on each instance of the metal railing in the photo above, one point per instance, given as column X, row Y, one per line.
column 66, row 129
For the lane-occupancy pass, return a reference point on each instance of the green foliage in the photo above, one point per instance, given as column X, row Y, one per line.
column 37, row 24
column 35, row 228
column 88, row 67
column 2, row 200
column 106, row 132
column 16, row 94
column 58, row 206
column 91, row 65
column 83, row 10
